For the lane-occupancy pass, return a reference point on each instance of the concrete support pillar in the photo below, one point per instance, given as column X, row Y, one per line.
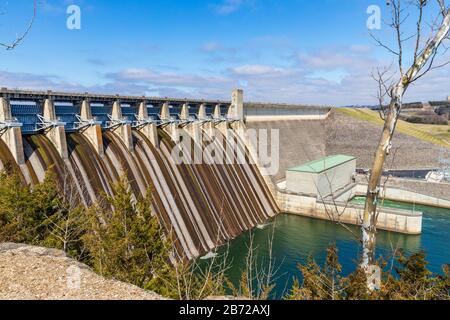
column 48, row 110
column 149, row 130
column 217, row 112
column 222, row 127
column 171, row 129
column 195, row 131
column 209, row 128
column 12, row 137
column 55, row 133
column 123, row 130
column 86, row 112
column 117, row 110
column 201, row 115
column 240, row 128
column 236, row 110
column 184, row 112
column 165, row 112
column 5, row 110
column 93, row 132
column 142, row 110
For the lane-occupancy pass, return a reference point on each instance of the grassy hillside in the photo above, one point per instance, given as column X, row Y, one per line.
column 436, row 134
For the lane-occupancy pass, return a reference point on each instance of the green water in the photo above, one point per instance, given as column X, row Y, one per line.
column 296, row 238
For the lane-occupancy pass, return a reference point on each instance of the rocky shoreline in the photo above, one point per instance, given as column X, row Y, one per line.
column 36, row 273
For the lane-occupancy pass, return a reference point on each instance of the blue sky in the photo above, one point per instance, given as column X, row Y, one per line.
column 296, row 51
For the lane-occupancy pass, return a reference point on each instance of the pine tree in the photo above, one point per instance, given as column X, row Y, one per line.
column 320, row 283
column 23, row 208
column 411, row 281
column 414, row 281
column 126, row 242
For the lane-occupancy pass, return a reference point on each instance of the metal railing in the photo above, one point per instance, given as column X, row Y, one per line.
column 45, row 124
column 8, row 124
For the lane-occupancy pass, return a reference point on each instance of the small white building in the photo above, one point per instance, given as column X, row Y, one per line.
column 323, row 177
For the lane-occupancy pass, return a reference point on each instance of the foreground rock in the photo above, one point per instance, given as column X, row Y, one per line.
column 35, row 273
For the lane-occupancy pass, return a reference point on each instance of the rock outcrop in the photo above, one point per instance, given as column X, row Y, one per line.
column 35, row 273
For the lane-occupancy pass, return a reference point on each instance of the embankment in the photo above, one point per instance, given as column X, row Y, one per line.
column 302, row 140
column 350, row 135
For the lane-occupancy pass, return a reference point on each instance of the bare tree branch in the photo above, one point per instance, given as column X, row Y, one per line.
column 19, row 39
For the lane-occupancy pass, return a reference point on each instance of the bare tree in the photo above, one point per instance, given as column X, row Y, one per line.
column 21, row 37
column 425, row 50
column 66, row 225
column 259, row 276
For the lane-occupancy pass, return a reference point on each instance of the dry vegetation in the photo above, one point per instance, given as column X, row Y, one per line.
column 436, row 134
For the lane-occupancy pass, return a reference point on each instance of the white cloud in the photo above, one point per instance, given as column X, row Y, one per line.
column 229, row 6
column 149, row 76
column 211, row 46
column 257, row 70
column 330, row 76
column 331, row 59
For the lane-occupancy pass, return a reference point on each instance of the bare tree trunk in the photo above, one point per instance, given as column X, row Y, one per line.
column 373, row 191
column 426, row 57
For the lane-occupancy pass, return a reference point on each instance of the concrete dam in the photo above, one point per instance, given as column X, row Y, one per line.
column 94, row 139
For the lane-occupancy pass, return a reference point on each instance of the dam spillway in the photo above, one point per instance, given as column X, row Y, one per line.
column 94, row 140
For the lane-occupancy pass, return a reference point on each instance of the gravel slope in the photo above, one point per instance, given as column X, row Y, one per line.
column 34, row 273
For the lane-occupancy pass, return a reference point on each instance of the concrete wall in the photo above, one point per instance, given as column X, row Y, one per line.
column 431, row 189
column 395, row 220
column 276, row 112
column 402, row 195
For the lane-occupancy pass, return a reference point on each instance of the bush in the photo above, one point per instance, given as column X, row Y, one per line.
column 410, row 280
column 429, row 119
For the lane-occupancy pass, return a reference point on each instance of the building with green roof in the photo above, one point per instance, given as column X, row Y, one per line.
column 322, row 177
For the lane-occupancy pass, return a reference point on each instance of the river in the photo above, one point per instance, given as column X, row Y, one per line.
column 295, row 238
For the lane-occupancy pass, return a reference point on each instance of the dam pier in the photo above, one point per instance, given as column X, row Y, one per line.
column 96, row 139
